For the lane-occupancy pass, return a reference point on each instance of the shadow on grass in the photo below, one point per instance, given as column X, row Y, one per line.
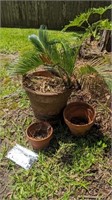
column 67, row 148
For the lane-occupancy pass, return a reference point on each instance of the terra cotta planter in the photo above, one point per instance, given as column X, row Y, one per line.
column 79, row 117
column 39, row 128
column 47, row 106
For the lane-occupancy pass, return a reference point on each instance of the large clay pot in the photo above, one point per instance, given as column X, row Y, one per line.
column 79, row 110
column 39, row 143
column 47, row 106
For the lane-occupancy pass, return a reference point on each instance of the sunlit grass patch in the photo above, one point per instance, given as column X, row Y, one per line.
column 13, row 40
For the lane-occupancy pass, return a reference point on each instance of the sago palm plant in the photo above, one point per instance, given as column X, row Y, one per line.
column 101, row 66
column 56, row 56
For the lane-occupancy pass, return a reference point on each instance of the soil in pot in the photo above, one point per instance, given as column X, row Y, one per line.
column 44, row 84
column 39, row 135
column 40, row 132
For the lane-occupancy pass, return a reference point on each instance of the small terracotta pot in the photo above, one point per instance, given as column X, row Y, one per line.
column 79, row 110
column 39, row 143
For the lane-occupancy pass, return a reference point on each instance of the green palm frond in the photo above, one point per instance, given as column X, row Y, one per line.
column 54, row 53
column 37, row 43
column 58, row 50
column 43, row 36
column 63, row 55
column 86, row 69
column 102, row 66
column 28, row 61
column 68, row 57
column 49, row 52
column 42, row 42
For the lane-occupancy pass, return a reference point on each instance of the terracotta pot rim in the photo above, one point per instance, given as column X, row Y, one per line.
column 83, row 103
column 39, row 140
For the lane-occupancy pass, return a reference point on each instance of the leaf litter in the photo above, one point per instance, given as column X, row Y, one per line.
column 44, row 84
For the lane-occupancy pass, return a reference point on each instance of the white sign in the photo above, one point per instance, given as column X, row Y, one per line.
column 22, row 156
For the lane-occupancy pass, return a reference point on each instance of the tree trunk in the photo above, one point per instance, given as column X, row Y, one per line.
column 105, row 42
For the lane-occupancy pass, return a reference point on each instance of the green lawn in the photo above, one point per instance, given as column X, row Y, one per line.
column 15, row 39
column 70, row 166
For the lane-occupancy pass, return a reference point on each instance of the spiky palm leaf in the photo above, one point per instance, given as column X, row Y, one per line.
column 68, row 56
column 102, row 66
column 58, row 51
column 50, row 52
column 37, row 43
column 43, row 36
column 41, row 42
column 28, row 61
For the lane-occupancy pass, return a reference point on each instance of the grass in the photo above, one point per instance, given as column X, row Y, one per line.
column 17, row 39
column 64, row 169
